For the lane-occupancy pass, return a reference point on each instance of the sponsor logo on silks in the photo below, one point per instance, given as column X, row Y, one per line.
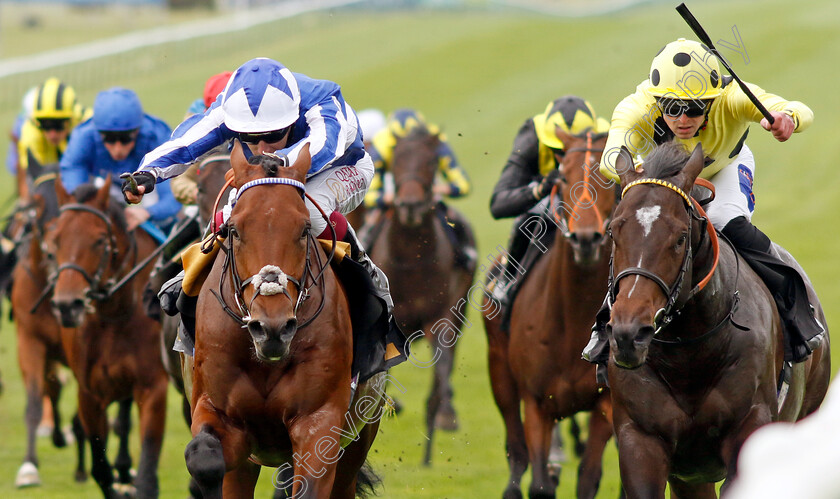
column 745, row 179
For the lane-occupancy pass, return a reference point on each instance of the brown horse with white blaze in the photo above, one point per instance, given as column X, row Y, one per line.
column 695, row 338
column 91, row 255
column 273, row 351
column 537, row 365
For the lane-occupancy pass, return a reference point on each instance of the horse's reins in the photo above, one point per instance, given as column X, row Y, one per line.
column 243, row 316
column 677, row 295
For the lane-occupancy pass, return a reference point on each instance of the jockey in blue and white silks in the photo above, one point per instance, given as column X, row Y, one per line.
column 264, row 97
column 268, row 109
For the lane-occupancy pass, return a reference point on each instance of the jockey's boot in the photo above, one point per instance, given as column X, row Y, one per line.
column 380, row 280
column 8, row 260
column 511, row 268
column 597, row 351
column 802, row 330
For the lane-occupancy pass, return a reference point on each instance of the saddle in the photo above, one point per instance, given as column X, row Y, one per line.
column 373, row 350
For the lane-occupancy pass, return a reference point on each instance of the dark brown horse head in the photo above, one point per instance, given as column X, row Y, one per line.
column 588, row 197
column 268, row 237
column 82, row 248
column 652, row 235
column 414, row 165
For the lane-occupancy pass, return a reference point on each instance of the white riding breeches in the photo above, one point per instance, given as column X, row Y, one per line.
column 733, row 190
column 338, row 188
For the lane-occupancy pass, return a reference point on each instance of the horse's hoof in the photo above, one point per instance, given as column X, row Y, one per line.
column 44, row 431
column 512, row 492
column 123, row 491
column 446, row 421
column 27, row 476
column 69, row 436
column 80, row 476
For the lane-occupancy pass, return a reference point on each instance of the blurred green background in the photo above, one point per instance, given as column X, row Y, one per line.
column 479, row 71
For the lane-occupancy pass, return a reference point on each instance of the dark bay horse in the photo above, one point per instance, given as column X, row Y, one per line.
column 414, row 251
column 695, row 338
column 271, row 378
column 110, row 343
column 40, row 352
column 538, row 365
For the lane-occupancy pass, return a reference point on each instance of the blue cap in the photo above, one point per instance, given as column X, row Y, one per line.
column 116, row 110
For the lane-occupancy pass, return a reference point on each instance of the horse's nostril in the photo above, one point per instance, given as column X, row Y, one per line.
column 256, row 329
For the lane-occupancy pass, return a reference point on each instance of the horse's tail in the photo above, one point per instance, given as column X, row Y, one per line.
column 367, row 481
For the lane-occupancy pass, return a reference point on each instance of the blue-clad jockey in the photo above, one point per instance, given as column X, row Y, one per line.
column 114, row 141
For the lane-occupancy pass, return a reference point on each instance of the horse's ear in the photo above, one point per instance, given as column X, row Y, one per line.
column 61, row 193
column 693, row 167
column 303, row 161
column 565, row 138
column 625, row 168
column 103, row 195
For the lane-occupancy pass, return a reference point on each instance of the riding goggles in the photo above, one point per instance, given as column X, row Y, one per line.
column 674, row 108
column 57, row 124
column 126, row 137
column 267, row 137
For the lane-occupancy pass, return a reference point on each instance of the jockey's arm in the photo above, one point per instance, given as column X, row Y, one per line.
column 789, row 116
column 77, row 162
column 457, row 183
column 513, row 194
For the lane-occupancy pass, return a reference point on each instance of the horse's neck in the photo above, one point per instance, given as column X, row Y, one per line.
column 407, row 239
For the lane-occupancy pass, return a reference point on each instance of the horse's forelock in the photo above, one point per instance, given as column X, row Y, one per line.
column 86, row 192
column 666, row 161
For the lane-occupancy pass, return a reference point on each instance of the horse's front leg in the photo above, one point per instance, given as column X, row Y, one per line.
column 215, row 448
column 591, row 466
column 759, row 416
column 152, row 408
column 317, row 448
column 95, row 423
column 643, row 460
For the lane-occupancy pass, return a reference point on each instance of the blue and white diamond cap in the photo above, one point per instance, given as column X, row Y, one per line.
column 261, row 96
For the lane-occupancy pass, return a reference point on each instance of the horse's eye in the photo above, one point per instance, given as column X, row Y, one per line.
column 681, row 240
column 306, row 229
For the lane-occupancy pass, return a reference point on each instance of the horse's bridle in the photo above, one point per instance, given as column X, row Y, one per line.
column 588, row 165
column 97, row 289
column 243, row 314
column 679, row 293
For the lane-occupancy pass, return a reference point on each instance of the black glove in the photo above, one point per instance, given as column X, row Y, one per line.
column 131, row 181
column 547, row 183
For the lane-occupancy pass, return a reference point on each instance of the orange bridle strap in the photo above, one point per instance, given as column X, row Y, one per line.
column 585, row 200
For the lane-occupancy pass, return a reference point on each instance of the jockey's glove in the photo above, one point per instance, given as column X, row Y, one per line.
column 548, row 182
column 145, row 179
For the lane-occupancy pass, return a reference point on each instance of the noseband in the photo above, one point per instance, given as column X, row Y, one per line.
column 679, row 293
column 271, row 280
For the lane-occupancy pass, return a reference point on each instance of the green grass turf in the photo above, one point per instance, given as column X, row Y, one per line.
column 479, row 74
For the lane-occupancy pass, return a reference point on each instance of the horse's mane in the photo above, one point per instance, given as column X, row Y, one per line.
column 666, row 160
column 86, row 192
column 419, row 131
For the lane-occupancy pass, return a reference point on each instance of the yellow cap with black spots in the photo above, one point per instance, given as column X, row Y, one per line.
column 685, row 69
column 402, row 121
column 572, row 115
column 54, row 100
